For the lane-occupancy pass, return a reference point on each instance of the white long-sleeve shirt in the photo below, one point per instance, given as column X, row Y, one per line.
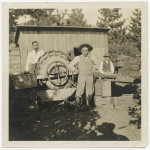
column 76, row 60
column 111, row 67
column 32, row 58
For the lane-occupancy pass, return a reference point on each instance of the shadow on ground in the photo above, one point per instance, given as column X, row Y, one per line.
column 60, row 123
column 118, row 89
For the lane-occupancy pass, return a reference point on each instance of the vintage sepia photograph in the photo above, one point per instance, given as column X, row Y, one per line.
column 75, row 73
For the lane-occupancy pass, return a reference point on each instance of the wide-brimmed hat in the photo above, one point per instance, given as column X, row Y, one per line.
column 90, row 47
column 106, row 55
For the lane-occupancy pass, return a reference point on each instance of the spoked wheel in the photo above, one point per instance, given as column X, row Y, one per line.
column 57, row 73
column 53, row 65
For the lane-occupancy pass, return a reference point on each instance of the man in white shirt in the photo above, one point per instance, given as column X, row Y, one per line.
column 106, row 66
column 33, row 57
column 84, row 65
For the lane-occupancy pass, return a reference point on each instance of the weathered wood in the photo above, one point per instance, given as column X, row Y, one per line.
column 15, row 70
column 120, row 63
column 125, row 72
column 120, row 69
column 106, row 88
column 134, row 61
column 134, row 73
column 12, row 49
column 63, row 40
column 98, row 88
column 14, row 53
column 15, row 61
column 123, row 57
column 15, row 65
column 16, row 57
column 134, row 67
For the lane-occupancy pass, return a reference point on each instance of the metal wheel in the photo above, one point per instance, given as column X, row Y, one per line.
column 57, row 73
column 54, row 66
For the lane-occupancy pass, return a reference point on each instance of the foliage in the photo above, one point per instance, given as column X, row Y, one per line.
column 119, row 40
column 76, row 18
column 14, row 15
column 135, row 112
column 51, row 18
column 134, row 34
column 127, row 48
column 46, row 17
column 111, row 18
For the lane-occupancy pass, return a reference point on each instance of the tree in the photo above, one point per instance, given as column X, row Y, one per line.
column 41, row 17
column 14, row 14
column 76, row 18
column 51, row 18
column 111, row 18
column 46, row 17
column 134, row 34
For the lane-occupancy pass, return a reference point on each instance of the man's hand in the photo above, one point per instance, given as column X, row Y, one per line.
column 73, row 70
column 26, row 72
column 76, row 71
column 95, row 69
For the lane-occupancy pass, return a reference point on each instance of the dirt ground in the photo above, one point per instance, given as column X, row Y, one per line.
column 118, row 115
column 108, row 121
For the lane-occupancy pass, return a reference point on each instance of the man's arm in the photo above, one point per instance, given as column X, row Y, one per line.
column 42, row 53
column 27, row 67
column 101, row 68
column 95, row 63
column 94, row 60
column 112, row 67
column 73, row 63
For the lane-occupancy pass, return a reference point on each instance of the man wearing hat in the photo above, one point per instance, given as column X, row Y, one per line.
column 84, row 65
column 106, row 66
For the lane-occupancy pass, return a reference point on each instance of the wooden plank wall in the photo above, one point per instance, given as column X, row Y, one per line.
column 63, row 41
column 14, row 59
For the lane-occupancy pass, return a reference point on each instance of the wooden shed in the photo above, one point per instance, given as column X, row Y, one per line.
column 58, row 38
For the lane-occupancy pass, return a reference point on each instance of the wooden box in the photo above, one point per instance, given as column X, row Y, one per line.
column 134, row 73
column 23, row 81
column 134, row 67
column 120, row 63
column 136, row 61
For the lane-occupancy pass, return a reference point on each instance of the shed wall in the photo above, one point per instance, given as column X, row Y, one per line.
column 63, row 41
column 14, row 59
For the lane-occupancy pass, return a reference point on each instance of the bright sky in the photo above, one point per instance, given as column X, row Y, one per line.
column 92, row 15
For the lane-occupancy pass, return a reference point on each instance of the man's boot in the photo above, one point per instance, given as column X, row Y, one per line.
column 78, row 103
column 88, row 102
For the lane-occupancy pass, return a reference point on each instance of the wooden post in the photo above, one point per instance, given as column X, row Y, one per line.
column 106, row 87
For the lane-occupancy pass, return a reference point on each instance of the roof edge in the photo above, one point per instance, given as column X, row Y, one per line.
column 56, row 28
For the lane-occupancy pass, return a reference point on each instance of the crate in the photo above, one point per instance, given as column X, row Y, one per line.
column 136, row 61
column 134, row 67
column 125, row 72
column 119, row 63
column 23, row 81
column 122, row 57
column 134, row 73
column 126, row 67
